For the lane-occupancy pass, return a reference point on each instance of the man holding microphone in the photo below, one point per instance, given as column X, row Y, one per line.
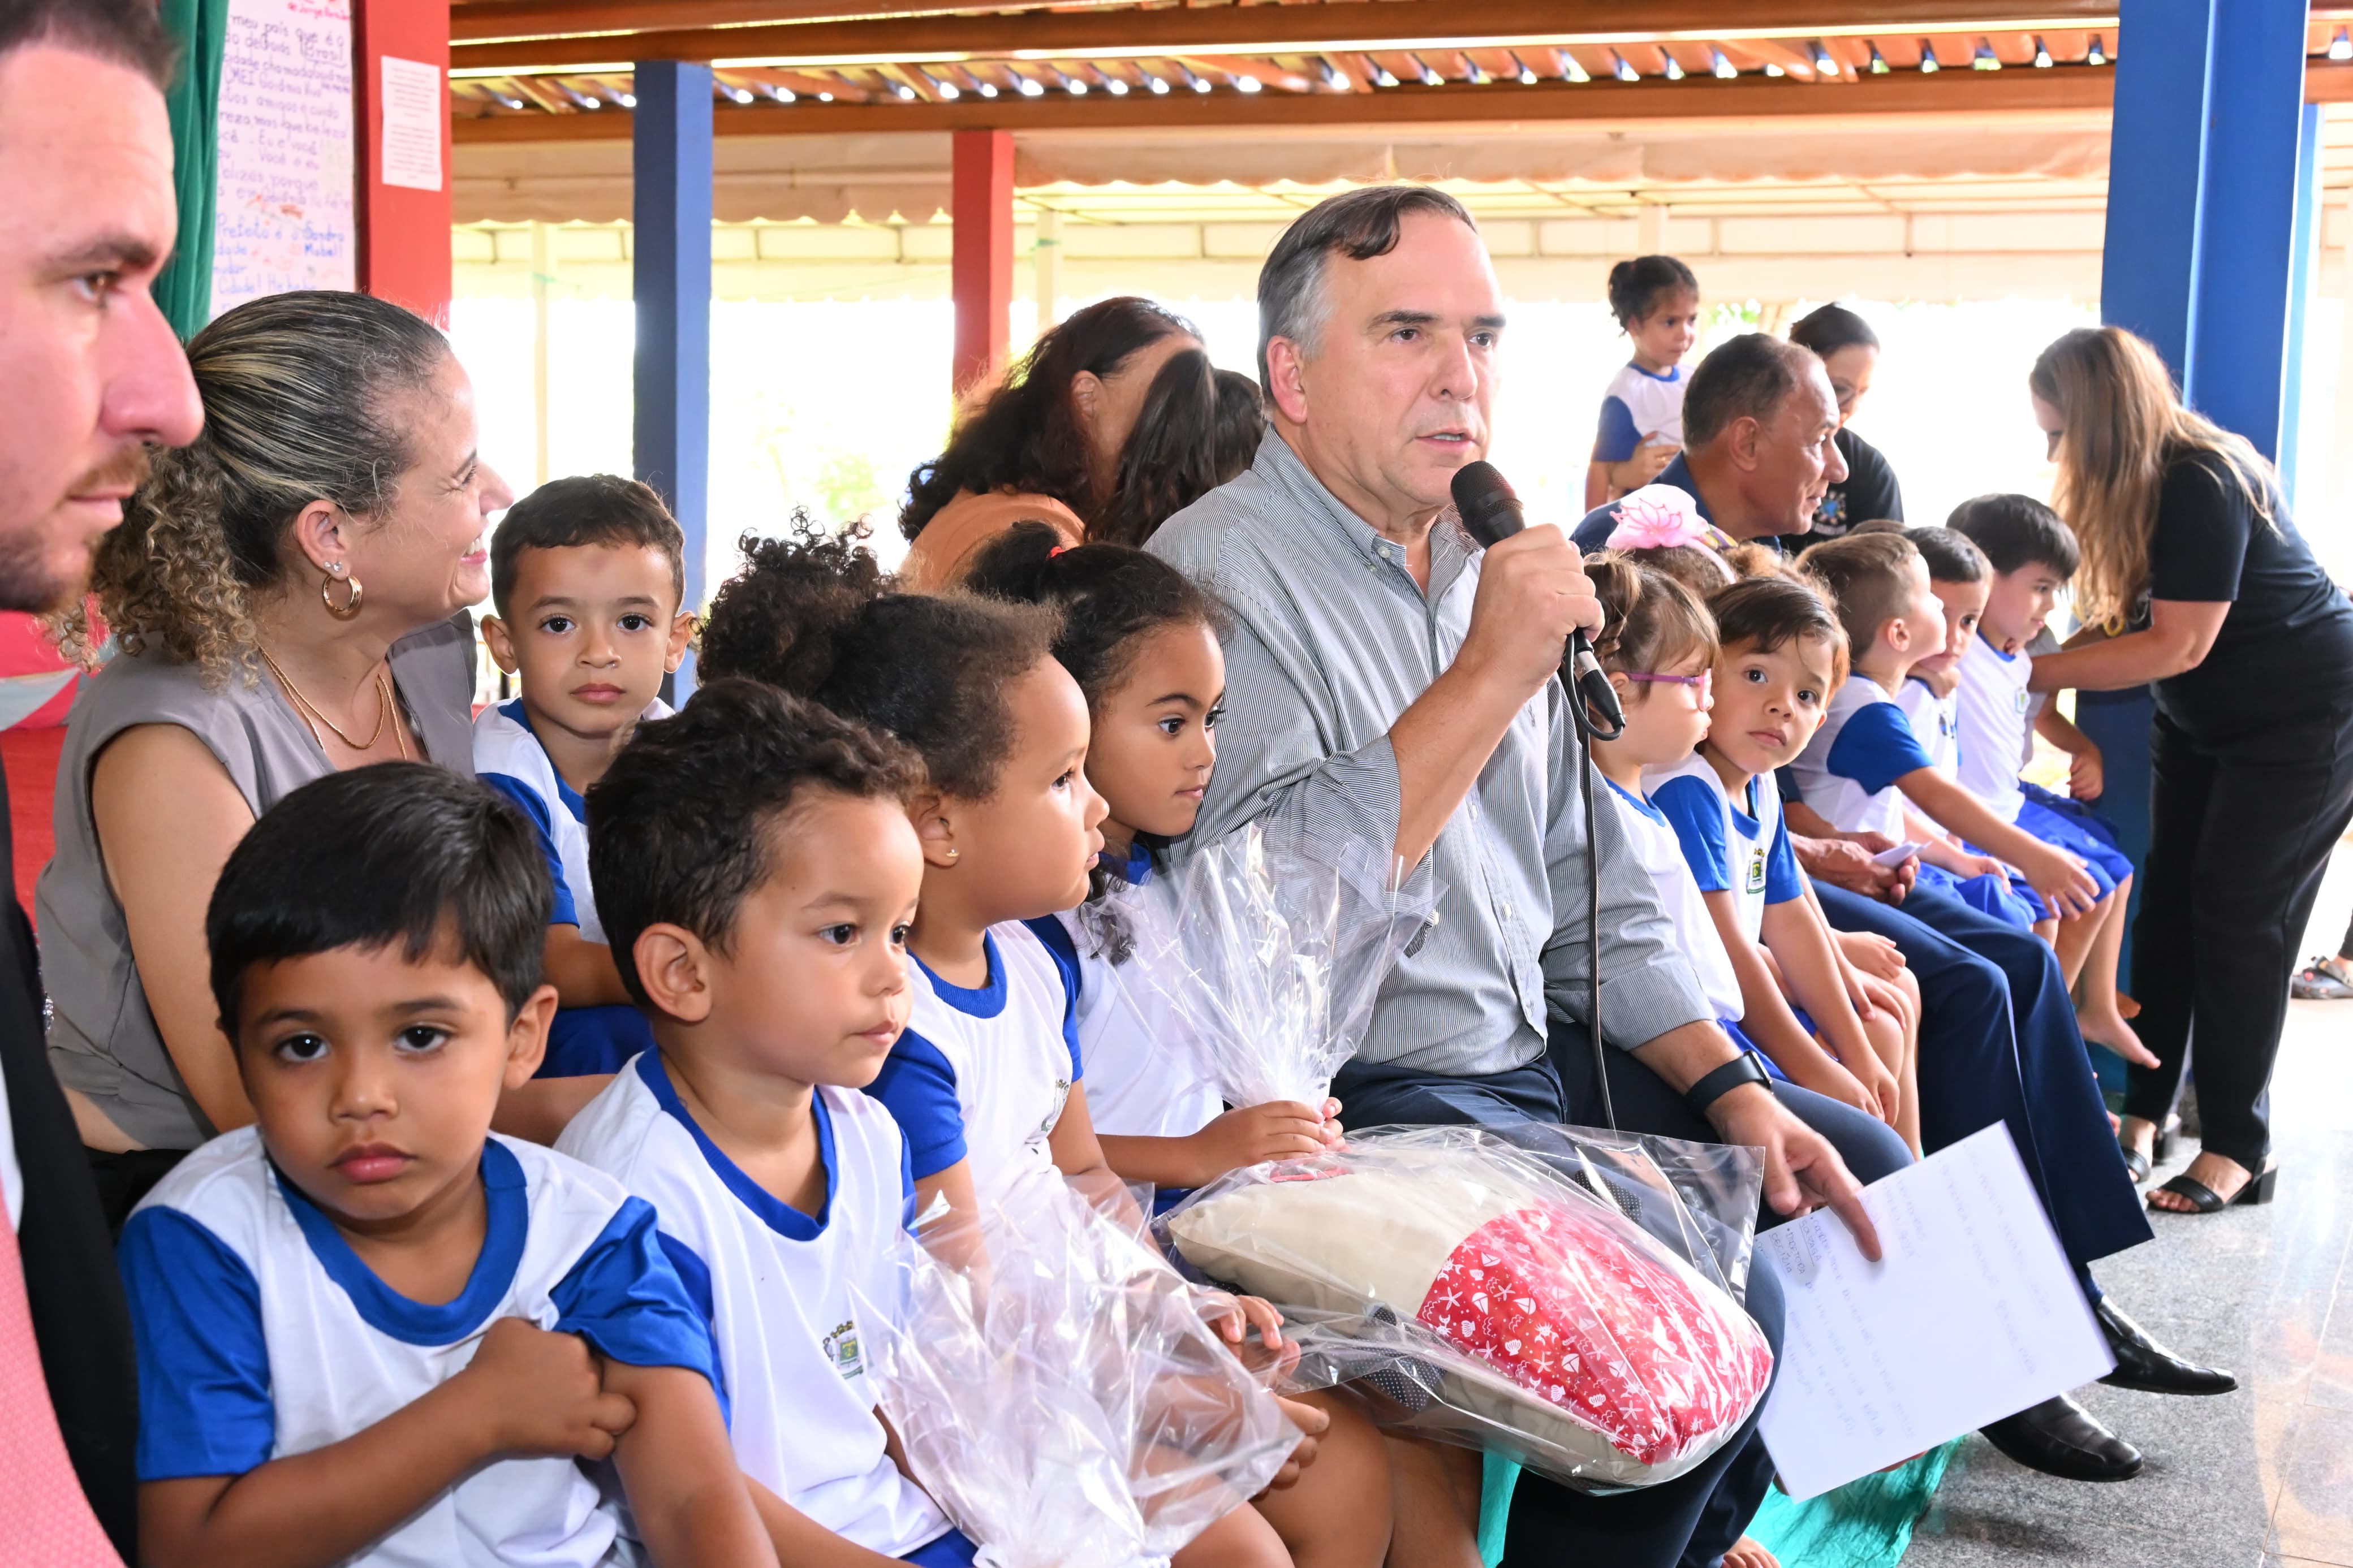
column 1386, row 681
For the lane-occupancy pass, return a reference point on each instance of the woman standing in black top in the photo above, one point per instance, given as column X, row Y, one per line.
column 2206, row 589
column 1849, row 349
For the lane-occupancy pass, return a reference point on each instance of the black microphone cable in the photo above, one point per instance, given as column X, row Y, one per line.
column 1490, row 510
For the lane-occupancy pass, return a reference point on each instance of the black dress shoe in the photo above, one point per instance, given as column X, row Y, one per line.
column 2142, row 1363
column 2061, row 1438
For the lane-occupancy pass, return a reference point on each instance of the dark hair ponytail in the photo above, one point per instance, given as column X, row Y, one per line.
column 1636, row 286
column 1027, row 435
column 1194, row 433
column 814, row 615
column 1831, row 327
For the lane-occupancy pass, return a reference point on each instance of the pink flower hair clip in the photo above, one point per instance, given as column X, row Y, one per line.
column 1660, row 517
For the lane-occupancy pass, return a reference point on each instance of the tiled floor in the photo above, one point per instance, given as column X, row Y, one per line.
column 2261, row 1478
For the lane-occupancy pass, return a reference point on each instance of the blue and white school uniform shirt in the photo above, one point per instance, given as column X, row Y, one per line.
column 1848, row 771
column 1996, row 712
column 1145, row 1077
column 1660, row 848
column 1935, row 723
column 509, row 759
column 1741, row 848
column 261, row 1335
column 983, row 1073
column 1636, row 405
column 781, row 1290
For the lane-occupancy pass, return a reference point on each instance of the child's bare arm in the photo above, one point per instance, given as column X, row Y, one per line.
column 582, row 971
column 1248, row 1135
column 2086, row 769
column 526, row 1394
column 1766, row 1018
column 803, row 1542
column 692, row 1503
column 1079, row 1155
column 1597, row 484
column 2058, row 875
column 1800, row 943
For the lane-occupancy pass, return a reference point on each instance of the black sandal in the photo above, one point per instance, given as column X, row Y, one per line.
column 2139, row 1164
column 2136, row 1163
column 2204, row 1199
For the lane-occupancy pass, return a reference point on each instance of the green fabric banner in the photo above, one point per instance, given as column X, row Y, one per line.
column 184, row 290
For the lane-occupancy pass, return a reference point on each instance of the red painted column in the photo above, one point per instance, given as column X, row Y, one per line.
column 981, row 204
column 403, row 231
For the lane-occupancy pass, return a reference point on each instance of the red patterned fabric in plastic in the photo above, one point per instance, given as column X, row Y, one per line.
column 1564, row 1307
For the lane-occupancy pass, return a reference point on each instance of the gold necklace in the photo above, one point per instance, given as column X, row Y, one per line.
column 308, row 712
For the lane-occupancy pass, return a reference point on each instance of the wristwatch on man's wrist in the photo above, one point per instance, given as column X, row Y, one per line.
column 1745, row 1067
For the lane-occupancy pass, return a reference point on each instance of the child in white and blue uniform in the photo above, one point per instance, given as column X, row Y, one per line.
column 1656, row 302
column 785, row 1229
column 261, row 1272
column 587, row 574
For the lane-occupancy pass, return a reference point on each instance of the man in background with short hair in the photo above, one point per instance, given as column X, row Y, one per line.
column 1758, row 423
column 90, row 377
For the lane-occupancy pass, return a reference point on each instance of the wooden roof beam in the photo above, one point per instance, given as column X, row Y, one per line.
column 651, row 30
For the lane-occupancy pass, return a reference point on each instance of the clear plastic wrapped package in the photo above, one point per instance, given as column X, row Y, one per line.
column 1061, row 1394
column 1275, row 954
column 1560, row 1305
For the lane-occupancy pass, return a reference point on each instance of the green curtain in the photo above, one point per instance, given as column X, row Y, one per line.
column 186, row 288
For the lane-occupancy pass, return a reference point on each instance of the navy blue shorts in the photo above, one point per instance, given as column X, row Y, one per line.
column 2006, row 899
column 2066, row 825
column 950, row 1551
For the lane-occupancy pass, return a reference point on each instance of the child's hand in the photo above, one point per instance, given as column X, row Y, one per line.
column 542, row 1395
column 1871, row 953
column 1966, row 866
column 1879, row 1084
column 1279, row 1130
column 1334, row 1134
column 1830, row 1077
column 1311, row 1424
column 2087, row 774
column 2065, row 886
column 1648, row 461
column 1250, row 1312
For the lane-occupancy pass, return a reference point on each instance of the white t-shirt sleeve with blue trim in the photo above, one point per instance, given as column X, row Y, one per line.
column 1696, row 813
column 1876, row 747
column 567, row 912
column 625, row 1298
column 205, row 1403
column 1055, row 938
column 1782, row 881
column 918, row 1086
column 1617, row 437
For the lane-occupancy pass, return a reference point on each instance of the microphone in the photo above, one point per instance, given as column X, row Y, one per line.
column 1490, row 509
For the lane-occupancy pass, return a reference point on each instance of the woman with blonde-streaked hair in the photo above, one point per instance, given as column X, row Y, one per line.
column 288, row 593
column 2195, row 581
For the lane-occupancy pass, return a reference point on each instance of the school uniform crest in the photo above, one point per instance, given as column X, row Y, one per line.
column 1755, row 880
column 842, row 1348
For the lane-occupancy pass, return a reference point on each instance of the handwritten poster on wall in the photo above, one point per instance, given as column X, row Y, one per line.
column 283, row 215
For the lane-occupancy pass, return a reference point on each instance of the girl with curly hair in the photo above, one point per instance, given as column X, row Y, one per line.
column 287, row 595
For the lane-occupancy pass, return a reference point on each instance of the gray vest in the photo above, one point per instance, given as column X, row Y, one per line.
column 102, row 1038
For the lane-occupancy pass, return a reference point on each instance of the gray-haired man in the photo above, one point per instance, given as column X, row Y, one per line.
column 1388, row 680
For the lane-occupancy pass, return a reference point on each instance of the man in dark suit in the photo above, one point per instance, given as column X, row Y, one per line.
column 90, row 377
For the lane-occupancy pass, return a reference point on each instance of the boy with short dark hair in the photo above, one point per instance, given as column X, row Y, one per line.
column 587, row 574
column 370, row 1332
column 760, row 873
column 2032, row 554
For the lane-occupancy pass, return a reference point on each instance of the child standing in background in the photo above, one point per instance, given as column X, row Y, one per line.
column 2032, row 554
column 587, row 575
column 1656, row 302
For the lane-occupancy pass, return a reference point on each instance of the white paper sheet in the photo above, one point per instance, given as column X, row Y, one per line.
column 416, row 107
column 1973, row 1315
column 283, row 191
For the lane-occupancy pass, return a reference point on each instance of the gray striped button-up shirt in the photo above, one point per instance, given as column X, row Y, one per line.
column 1331, row 639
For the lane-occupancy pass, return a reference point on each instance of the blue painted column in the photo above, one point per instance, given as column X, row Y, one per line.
column 2157, row 167
column 2303, row 285
column 2254, row 116
column 670, row 275
column 2158, row 162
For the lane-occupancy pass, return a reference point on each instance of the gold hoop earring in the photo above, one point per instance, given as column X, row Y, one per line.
column 349, row 608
